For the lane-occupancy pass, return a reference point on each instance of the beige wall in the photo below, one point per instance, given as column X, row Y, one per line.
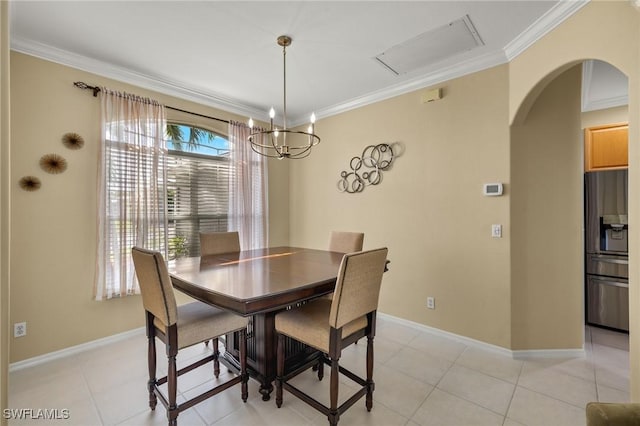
column 547, row 279
column 605, row 116
column 4, row 205
column 54, row 229
column 429, row 208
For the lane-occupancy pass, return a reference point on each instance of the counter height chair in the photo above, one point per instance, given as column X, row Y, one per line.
column 346, row 242
column 219, row 242
column 216, row 243
column 331, row 325
column 179, row 327
column 343, row 242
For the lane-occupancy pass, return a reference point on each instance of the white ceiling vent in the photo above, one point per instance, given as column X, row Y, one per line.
column 430, row 47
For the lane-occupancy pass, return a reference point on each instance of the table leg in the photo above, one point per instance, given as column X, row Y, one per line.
column 262, row 352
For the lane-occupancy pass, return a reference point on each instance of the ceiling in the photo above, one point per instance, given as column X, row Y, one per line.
column 224, row 54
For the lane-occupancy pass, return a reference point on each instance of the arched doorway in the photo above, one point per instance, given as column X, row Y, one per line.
column 547, row 207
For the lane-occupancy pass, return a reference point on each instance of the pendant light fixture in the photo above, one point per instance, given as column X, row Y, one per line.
column 284, row 142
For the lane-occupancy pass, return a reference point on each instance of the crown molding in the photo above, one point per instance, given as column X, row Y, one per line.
column 612, row 102
column 534, row 32
column 591, row 104
column 430, row 79
column 543, row 25
column 155, row 83
column 547, row 22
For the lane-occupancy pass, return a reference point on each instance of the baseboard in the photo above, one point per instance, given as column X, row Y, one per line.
column 41, row 359
column 518, row 354
column 549, row 353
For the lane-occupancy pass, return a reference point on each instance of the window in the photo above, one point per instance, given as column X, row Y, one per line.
column 197, row 186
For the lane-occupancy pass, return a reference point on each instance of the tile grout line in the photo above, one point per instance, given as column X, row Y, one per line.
column 515, row 388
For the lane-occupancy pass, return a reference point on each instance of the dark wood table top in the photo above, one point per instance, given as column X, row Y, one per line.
column 256, row 281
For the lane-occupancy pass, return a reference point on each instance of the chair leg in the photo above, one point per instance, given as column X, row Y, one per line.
column 243, row 363
column 216, row 355
column 151, row 363
column 321, row 367
column 172, row 382
column 370, row 384
column 333, row 416
column 279, row 370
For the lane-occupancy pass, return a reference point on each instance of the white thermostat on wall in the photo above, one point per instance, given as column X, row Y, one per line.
column 493, row 189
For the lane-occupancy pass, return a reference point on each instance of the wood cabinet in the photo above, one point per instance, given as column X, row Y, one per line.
column 606, row 147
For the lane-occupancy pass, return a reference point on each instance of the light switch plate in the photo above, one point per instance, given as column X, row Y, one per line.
column 496, row 231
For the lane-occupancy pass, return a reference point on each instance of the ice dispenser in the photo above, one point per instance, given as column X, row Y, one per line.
column 614, row 233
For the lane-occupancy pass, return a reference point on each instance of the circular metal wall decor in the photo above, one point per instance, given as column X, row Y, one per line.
column 366, row 169
column 72, row 140
column 30, row 183
column 53, row 163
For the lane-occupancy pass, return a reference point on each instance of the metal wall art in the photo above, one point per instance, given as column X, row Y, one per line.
column 72, row 140
column 367, row 169
column 30, row 183
column 53, row 163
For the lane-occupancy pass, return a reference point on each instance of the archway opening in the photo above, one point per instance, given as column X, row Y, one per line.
column 547, row 213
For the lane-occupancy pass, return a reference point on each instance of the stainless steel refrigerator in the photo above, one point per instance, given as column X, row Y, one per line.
column 606, row 257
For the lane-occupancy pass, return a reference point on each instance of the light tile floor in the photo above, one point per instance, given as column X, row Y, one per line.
column 421, row 379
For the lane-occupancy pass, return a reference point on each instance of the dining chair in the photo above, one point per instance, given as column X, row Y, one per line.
column 330, row 326
column 345, row 242
column 219, row 242
column 179, row 327
column 216, row 243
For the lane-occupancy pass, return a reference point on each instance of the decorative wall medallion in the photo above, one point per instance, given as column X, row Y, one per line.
column 374, row 159
column 72, row 140
column 53, row 163
column 30, row 183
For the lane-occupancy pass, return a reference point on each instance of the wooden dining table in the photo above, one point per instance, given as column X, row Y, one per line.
column 259, row 284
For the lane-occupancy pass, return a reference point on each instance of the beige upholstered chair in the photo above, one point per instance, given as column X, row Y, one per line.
column 179, row 327
column 346, row 242
column 219, row 242
column 613, row 414
column 331, row 325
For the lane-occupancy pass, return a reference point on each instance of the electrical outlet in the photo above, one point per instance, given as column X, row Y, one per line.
column 20, row 329
column 431, row 303
column 496, row 231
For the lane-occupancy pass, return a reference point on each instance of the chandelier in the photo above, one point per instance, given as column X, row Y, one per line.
column 284, row 142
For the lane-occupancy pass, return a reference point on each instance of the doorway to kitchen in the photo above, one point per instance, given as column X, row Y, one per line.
column 605, row 135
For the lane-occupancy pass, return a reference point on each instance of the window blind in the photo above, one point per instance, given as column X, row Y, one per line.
column 197, row 199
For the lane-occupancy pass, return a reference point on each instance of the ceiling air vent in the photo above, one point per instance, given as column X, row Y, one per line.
column 430, row 47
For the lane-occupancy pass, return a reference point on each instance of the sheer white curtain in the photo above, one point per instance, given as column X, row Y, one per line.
column 131, row 189
column 248, row 201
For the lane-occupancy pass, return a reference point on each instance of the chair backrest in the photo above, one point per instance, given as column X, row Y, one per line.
column 219, row 242
column 358, row 286
column 346, row 242
column 155, row 285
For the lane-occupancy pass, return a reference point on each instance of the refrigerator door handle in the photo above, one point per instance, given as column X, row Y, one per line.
column 609, row 259
column 609, row 281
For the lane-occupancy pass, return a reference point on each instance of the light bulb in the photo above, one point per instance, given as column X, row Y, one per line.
column 313, row 118
column 276, row 133
column 272, row 113
column 251, row 122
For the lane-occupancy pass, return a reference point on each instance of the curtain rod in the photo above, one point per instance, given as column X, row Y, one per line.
column 96, row 90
